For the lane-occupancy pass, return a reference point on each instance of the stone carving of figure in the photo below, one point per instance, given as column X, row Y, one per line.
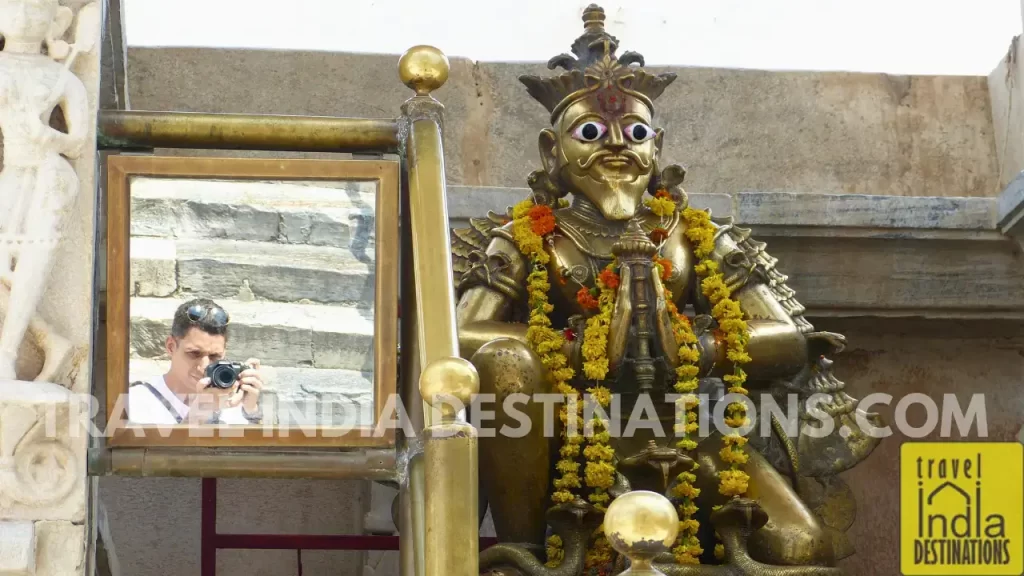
column 37, row 183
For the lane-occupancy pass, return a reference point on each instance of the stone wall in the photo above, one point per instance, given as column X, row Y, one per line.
column 805, row 134
column 735, row 130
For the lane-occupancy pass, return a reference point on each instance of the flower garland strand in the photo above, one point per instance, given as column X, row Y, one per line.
column 600, row 472
column 530, row 222
column 727, row 312
column 687, row 549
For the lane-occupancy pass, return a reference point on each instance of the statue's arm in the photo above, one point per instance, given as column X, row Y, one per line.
column 491, row 289
column 75, row 105
column 777, row 347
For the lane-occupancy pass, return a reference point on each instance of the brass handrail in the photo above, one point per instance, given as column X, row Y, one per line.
column 449, row 487
column 135, row 129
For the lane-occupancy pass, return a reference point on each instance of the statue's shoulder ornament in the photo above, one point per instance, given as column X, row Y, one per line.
column 742, row 259
column 472, row 265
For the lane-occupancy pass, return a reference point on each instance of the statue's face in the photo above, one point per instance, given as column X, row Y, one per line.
column 27, row 20
column 604, row 148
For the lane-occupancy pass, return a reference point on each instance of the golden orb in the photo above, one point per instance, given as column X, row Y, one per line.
column 423, row 68
column 641, row 524
column 451, row 379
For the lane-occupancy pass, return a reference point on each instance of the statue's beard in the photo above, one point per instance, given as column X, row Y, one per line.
column 616, row 195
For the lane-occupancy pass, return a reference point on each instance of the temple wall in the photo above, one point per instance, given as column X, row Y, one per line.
column 736, row 131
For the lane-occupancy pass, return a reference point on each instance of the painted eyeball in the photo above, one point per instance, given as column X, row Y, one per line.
column 589, row 131
column 638, row 132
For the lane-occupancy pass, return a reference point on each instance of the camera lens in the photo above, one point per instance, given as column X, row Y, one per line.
column 223, row 377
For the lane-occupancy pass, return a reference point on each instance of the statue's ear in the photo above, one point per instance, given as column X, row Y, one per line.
column 548, row 144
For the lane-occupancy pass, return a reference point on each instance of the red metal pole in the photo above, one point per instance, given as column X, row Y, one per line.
column 208, row 530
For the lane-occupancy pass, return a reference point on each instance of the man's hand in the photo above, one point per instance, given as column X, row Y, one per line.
column 249, row 387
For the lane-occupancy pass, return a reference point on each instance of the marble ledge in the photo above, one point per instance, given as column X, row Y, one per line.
column 1011, row 209
column 788, row 214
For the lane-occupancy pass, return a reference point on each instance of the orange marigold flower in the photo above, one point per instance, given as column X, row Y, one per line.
column 666, row 268
column 542, row 220
column 609, row 278
column 587, row 300
column 662, row 193
column 659, row 235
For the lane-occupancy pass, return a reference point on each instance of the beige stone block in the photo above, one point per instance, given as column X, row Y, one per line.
column 153, row 267
column 60, row 548
column 17, row 549
column 42, row 457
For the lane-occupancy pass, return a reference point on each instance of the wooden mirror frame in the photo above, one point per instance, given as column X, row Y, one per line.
column 120, row 170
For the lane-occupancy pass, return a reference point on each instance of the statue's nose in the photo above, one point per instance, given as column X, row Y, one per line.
column 615, row 138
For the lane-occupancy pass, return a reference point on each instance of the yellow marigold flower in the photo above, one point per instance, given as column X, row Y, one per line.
column 562, row 497
column 566, row 466
column 734, row 440
column 689, row 525
column 738, row 356
column 691, row 418
column 598, row 452
column 732, row 456
column 688, row 509
column 719, row 551
column 733, row 482
column 600, row 474
column 661, row 206
column 601, row 395
column 692, row 427
column 736, row 421
column 684, row 490
column 569, row 451
column 599, row 497
column 735, row 378
column 738, row 390
column 688, row 354
column 733, row 325
column 687, row 477
column 686, row 444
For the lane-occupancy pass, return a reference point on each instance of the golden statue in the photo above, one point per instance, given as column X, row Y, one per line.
column 626, row 290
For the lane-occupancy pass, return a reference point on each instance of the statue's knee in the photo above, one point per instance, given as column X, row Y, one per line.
column 800, row 541
column 507, row 366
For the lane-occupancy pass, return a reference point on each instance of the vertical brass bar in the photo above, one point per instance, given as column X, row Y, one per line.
column 410, row 492
column 435, row 290
column 451, row 522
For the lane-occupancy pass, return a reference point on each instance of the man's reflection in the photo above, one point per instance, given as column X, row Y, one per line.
column 187, row 393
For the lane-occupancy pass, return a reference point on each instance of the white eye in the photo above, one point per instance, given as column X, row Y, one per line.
column 638, row 132
column 589, row 131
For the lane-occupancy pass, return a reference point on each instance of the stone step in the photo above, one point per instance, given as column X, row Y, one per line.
column 339, row 214
column 297, row 396
column 248, row 270
column 279, row 334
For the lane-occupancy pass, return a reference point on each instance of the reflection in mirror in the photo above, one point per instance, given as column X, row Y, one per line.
column 251, row 302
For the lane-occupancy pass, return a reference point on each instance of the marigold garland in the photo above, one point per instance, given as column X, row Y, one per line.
column 531, row 223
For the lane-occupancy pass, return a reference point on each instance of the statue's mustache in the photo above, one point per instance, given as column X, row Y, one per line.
column 590, row 160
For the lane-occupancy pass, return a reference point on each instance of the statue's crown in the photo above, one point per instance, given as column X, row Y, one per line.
column 594, row 68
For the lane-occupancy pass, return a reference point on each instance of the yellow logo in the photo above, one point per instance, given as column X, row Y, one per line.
column 962, row 508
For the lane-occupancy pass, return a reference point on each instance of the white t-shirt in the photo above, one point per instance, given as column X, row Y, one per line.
column 146, row 408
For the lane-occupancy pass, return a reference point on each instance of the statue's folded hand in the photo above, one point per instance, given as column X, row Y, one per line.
column 622, row 317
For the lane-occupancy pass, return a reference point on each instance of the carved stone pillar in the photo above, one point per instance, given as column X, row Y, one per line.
column 49, row 85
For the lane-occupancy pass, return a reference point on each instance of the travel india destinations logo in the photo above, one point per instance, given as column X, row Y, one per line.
column 962, row 508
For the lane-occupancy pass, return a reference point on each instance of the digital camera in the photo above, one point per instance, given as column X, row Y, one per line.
column 224, row 374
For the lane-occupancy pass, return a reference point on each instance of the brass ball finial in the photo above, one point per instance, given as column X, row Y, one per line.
column 641, row 525
column 424, row 69
column 593, row 18
column 448, row 380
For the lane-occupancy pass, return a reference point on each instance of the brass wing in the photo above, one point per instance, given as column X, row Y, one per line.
column 466, row 242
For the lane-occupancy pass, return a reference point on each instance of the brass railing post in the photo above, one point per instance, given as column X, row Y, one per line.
column 446, row 384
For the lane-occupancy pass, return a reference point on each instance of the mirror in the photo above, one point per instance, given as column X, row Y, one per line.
column 258, row 295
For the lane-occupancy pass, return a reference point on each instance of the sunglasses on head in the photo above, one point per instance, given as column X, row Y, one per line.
column 199, row 312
